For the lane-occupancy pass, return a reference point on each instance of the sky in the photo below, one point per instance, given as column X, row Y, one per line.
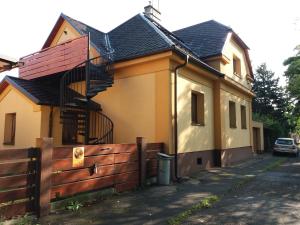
column 270, row 28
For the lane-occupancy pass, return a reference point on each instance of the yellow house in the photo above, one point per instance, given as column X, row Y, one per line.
column 190, row 89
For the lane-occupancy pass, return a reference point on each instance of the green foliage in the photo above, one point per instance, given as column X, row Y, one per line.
column 74, row 206
column 271, row 104
column 292, row 75
column 205, row 203
column 269, row 122
column 270, row 97
column 297, row 126
column 25, row 220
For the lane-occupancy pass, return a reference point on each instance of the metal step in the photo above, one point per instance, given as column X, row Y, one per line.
column 101, row 82
column 92, row 94
column 83, row 100
column 74, row 112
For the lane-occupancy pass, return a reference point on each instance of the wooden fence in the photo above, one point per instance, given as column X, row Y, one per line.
column 18, row 174
column 30, row 179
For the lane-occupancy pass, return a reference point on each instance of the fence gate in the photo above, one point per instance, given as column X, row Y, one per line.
column 18, row 178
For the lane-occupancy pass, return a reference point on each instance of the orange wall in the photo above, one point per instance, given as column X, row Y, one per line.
column 138, row 102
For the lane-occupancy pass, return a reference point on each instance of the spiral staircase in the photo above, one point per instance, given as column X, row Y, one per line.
column 77, row 110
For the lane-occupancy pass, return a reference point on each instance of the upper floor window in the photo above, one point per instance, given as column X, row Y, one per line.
column 9, row 129
column 243, row 117
column 232, row 115
column 197, row 110
column 236, row 65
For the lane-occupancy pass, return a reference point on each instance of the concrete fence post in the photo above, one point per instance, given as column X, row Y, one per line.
column 141, row 147
column 44, row 173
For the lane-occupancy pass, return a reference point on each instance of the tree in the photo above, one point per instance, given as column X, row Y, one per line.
column 292, row 75
column 271, row 98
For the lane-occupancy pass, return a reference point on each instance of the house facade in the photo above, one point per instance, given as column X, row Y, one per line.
column 190, row 89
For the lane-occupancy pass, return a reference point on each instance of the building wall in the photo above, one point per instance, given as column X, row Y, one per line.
column 230, row 49
column 138, row 102
column 260, row 127
column 235, row 137
column 56, row 125
column 28, row 118
column 130, row 103
column 192, row 138
column 67, row 32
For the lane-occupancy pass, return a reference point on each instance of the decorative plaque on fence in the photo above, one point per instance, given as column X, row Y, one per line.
column 78, row 157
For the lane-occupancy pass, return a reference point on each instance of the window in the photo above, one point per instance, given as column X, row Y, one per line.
column 232, row 115
column 236, row 66
column 243, row 117
column 9, row 129
column 197, row 108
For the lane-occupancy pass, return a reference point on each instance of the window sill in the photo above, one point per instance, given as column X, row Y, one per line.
column 233, row 127
column 198, row 124
column 237, row 75
column 8, row 143
column 244, row 128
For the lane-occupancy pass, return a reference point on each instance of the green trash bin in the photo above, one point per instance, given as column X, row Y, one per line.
column 164, row 168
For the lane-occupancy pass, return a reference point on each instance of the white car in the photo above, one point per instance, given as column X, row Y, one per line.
column 286, row 145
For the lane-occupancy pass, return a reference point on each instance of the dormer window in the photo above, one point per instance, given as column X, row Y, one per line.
column 236, row 66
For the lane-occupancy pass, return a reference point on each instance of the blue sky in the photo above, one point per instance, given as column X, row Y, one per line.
column 270, row 28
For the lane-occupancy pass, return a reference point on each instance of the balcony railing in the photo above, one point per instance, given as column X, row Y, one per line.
column 54, row 59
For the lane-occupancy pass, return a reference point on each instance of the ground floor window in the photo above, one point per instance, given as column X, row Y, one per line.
column 232, row 114
column 9, row 129
column 197, row 110
column 243, row 117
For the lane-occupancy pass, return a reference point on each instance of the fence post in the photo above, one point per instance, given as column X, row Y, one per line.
column 141, row 147
column 44, row 173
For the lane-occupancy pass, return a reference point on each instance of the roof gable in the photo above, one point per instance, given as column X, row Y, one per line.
column 97, row 38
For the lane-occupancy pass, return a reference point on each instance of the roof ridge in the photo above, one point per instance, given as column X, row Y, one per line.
column 164, row 36
column 121, row 24
column 208, row 21
column 70, row 20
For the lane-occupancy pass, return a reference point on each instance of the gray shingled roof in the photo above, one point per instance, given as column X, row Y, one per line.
column 35, row 90
column 206, row 39
column 137, row 37
column 41, row 92
column 140, row 36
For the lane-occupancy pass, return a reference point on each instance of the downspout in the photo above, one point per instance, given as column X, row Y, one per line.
column 175, row 115
column 50, row 122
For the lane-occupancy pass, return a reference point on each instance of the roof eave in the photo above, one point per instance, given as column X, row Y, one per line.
column 53, row 31
column 198, row 62
column 22, row 90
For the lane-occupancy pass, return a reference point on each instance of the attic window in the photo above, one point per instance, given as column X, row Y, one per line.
column 236, row 66
column 9, row 129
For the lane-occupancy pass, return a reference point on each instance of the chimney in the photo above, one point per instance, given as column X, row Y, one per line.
column 152, row 12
